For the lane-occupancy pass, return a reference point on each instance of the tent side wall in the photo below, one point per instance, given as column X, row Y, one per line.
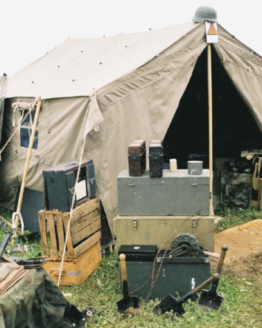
column 60, row 129
column 244, row 68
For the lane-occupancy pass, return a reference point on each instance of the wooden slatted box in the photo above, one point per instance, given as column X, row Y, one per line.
column 83, row 240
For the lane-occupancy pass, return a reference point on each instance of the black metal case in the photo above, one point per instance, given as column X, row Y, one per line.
column 165, row 275
column 59, row 183
column 156, row 159
column 137, row 158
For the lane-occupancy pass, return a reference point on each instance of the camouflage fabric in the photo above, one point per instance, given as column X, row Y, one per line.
column 236, row 189
column 36, row 302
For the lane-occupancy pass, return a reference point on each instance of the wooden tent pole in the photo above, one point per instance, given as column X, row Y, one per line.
column 210, row 124
column 28, row 158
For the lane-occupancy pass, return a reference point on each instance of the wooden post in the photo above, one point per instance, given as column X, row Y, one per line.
column 210, row 123
column 259, row 197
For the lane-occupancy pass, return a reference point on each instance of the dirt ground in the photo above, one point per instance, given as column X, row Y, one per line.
column 244, row 256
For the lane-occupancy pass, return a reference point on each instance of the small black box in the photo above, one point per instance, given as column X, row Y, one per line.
column 59, row 183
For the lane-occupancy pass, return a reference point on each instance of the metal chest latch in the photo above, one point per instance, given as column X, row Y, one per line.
column 194, row 224
column 135, row 224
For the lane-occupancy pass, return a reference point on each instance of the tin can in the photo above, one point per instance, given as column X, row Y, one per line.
column 195, row 167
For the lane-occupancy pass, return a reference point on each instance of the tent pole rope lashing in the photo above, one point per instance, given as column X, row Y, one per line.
column 17, row 215
column 210, row 124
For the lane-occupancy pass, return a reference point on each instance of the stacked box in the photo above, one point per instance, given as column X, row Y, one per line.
column 176, row 193
column 83, row 249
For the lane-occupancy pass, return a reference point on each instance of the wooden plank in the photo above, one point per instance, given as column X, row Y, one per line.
column 43, row 232
column 83, row 218
column 69, row 245
column 51, row 226
column 87, row 244
column 60, row 233
column 89, row 230
column 89, row 219
column 78, row 270
column 85, row 208
column 259, row 197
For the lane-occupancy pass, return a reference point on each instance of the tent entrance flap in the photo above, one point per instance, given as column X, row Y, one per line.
column 234, row 128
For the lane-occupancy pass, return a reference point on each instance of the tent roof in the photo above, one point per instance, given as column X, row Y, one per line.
column 79, row 66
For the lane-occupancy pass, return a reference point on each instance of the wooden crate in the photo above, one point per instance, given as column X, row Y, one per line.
column 75, row 271
column 85, row 230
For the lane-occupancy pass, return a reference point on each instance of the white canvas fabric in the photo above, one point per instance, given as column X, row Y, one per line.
column 77, row 67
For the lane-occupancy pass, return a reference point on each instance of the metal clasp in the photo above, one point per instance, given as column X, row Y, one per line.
column 194, row 224
column 135, row 224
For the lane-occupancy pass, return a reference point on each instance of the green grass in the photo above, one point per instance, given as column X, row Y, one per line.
column 242, row 306
column 234, row 217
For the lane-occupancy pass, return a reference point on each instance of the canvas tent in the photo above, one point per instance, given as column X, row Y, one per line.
column 118, row 89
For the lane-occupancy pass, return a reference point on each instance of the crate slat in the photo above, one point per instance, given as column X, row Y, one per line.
column 69, row 244
column 43, row 231
column 89, row 230
column 51, row 226
column 84, row 209
column 87, row 220
column 87, row 244
column 60, row 232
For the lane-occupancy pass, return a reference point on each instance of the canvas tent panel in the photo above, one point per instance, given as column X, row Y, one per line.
column 60, row 131
column 244, row 67
column 77, row 67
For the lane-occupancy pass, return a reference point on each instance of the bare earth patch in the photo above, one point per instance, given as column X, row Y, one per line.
column 244, row 256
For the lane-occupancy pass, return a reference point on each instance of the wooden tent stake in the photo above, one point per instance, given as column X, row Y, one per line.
column 210, row 124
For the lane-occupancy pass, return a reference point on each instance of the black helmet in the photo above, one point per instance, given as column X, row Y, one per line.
column 205, row 13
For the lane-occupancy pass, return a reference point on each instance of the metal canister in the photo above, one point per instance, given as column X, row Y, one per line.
column 195, row 167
